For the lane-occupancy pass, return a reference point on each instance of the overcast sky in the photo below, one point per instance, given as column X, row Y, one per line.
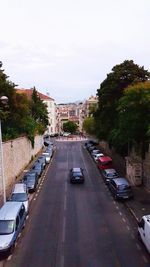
column 67, row 47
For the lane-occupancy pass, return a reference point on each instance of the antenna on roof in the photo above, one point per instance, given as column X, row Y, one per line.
column 48, row 94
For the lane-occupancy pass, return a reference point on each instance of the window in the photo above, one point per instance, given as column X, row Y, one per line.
column 6, row 227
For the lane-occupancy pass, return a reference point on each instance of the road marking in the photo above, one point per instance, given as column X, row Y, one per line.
column 117, row 207
column 38, row 190
column 128, row 228
column 138, row 246
column 9, row 258
column 34, row 199
column 120, row 213
column 124, row 220
column 145, row 259
column 65, row 202
column 65, row 188
column 64, row 230
column 62, row 261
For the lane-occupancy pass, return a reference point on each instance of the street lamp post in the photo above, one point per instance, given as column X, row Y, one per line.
column 4, row 100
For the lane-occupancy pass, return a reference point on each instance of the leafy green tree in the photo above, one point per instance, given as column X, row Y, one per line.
column 111, row 90
column 89, row 125
column 70, row 127
column 21, row 116
column 134, row 117
column 39, row 109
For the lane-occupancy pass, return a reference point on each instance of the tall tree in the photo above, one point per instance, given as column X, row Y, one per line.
column 111, row 90
column 134, row 117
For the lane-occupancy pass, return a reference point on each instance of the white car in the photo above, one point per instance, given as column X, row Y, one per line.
column 96, row 157
column 66, row 134
column 48, row 156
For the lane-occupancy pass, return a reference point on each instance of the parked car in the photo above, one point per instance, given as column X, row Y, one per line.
column 109, row 174
column 144, row 231
column 38, row 168
column 20, row 194
column 120, row 188
column 31, row 182
column 97, row 156
column 50, row 149
column 47, row 156
column 42, row 160
column 95, row 152
column 66, row 134
column 12, row 220
column 104, row 162
column 33, row 173
column 91, row 148
column 76, row 175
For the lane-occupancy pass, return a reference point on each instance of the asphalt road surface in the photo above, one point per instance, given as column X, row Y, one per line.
column 77, row 225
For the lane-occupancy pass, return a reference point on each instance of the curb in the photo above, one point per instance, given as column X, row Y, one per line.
column 132, row 212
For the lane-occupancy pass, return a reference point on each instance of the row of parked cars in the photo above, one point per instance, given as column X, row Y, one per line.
column 119, row 186
column 14, row 212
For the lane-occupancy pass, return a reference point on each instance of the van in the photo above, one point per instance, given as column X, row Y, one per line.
column 120, row 188
column 12, row 220
column 144, row 231
column 104, row 162
column 20, row 194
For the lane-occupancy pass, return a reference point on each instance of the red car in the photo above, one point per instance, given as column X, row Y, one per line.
column 104, row 162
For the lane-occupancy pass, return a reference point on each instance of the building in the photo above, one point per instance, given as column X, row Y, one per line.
column 51, row 107
column 90, row 105
column 68, row 112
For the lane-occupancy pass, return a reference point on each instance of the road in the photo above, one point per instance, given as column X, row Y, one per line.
column 77, row 225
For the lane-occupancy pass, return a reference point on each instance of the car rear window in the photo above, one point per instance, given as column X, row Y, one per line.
column 124, row 187
column 77, row 174
column 19, row 197
column 6, row 227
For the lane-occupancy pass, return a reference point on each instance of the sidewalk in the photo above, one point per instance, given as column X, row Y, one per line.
column 140, row 205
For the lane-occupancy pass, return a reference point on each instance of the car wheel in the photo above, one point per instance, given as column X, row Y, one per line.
column 11, row 250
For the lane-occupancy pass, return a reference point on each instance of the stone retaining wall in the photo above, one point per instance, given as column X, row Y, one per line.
column 17, row 154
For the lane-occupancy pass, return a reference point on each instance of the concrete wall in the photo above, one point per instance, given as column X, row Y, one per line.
column 16, row 156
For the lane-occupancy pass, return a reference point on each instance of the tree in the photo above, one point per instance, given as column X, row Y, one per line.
column 111, row 90
column 70, row 127
column 38, row 109
column 89, row 125
column 25, row 117
column 134, row 117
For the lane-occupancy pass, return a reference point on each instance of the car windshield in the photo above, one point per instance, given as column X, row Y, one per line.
column 124, row 187
column 113, row 174
column 37, row 167
column 19, row 197
column 29, row 176
column 77, row 174
column 6, row 227
column 31, row 179
column 106, row 163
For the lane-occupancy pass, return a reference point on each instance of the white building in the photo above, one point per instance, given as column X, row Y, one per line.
column 51, row 107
